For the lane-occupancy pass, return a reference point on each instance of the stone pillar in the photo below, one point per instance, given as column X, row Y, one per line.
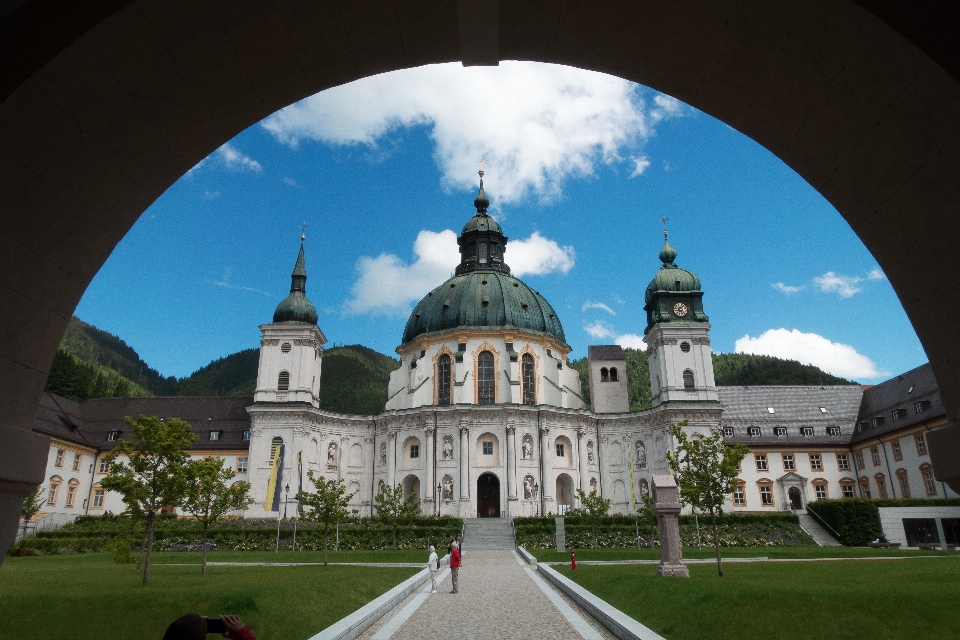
column 666, row 506
column 584, row 465
column 392, row 459
column 511, row 462
column 464, row 462
column 431, row 490
column 546, row 457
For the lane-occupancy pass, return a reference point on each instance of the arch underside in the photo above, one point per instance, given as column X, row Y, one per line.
column 105, row 105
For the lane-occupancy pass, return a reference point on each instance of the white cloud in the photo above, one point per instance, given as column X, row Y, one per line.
column 810, row 348
column 210, row 195
column 631, row 341
column 876, row 274
column 844, row 286
column 235, row 160
column 603, row 331
column 598, row 305
column 600, row 330
column 291, row 182
column 535, row 125
column 538, row 255
column 786, row 289
column 224, row 282
column 388, row 285
column 640, row 165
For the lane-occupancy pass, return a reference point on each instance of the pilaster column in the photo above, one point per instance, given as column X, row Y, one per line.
column 464, row 462
column 511, row 462
column 546, row 455
column 584, row 468
column 430, row 489
column 392, row 459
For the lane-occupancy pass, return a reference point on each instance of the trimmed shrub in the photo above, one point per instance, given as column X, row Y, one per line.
column 856, row 520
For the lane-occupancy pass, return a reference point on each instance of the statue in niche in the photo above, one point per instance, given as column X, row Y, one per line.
column 331, row 484
column 590, row 451
column 332, row 453
column 380, row 486
column 641, row 454
column 383, row 453
column 528, row 488
column 527, row 447
column 447, row 488
column 644, row 488
column 593, row 484
column 447, row 448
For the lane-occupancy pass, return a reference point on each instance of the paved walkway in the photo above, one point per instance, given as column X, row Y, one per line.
column 500, row 597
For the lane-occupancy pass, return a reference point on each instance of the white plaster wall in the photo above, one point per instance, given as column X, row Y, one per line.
column 609, row 396
column 891, row 519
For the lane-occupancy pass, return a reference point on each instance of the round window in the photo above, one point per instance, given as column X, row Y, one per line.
column 685, row 347
column 285, row 347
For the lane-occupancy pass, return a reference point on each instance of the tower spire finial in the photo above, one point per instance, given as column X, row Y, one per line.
column 664, row 221
column 481, row 202
column 303, row 231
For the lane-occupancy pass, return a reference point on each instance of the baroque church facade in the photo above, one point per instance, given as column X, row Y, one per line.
column 485, row 418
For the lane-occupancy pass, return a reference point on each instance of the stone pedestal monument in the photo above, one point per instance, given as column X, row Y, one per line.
column 666, row 506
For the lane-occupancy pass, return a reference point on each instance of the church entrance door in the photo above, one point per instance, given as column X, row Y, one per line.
column 796, row 503
column 488, row 496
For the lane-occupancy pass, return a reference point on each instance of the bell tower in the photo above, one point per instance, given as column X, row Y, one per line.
column 677, row 335
column 291, row 347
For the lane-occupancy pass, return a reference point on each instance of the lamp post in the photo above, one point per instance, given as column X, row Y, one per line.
column 286, row 499
column 536, row 495
column 439, row 497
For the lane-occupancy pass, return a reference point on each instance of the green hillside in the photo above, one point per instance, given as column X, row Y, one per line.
column 77, row 380
column 730, row 369
column 233, row 375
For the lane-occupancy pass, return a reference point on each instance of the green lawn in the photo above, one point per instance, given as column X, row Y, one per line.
column 882, row 600
column 400, row 555
column 549, row 555
column 76, row 597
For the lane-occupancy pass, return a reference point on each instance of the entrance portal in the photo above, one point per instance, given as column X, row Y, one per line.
column 488, row 496
column 796, row 503
column 564, row 493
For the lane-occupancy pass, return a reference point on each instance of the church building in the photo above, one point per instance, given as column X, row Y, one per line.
column 484, row 417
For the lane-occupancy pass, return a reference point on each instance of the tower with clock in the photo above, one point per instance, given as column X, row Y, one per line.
column 677, row 335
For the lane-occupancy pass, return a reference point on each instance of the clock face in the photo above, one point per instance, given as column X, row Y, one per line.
column 679, row 309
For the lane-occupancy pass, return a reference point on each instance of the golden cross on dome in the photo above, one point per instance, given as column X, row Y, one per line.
column 480, row 162
column 664, row 221
column 303, row 231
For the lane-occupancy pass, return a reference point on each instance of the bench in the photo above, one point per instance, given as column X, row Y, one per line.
column 885, row 545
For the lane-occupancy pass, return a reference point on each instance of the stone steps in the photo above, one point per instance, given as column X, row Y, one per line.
column 488, row 533
column 816, row 531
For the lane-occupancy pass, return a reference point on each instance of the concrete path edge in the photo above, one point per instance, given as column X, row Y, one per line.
column 527, row 556
column 363, row 618
column 619, row 623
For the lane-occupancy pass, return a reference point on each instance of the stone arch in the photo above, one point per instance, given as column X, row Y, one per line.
column 859, row 98
column 354, row 488
column 619, row 492
column 562, row 460
column 412, row 453
column 411, row 486
column 564, row 495
column 488, row 450
column 356, row 455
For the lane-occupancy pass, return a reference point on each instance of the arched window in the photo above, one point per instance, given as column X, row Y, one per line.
column 283, row 381
column 688, row 379
column 604, row 375
column 483, row 253
column 486, row 390
column 443, row 380
column 275, row 444
column 529, row 382
column 614, row 376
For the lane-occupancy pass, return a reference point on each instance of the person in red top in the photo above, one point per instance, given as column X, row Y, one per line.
column 194, row 627
column 455, row 567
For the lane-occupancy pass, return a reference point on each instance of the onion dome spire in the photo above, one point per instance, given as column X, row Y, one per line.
column 295, row 307
column 667, row 254
column 481, row 202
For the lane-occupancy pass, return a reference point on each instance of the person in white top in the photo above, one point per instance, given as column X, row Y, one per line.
column 432, row 564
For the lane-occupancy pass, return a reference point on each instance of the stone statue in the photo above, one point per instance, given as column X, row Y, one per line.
column 527, row 447
column 641, row 454
column 380, row 486
column 447, row 488
column 590, row 451
column 447, row 448
column 528, row 488
column 644, row 488
column 383, row 453
column 332, row 453
column 593, row 484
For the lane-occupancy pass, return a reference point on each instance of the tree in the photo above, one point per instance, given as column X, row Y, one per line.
column 328, row 504
column 31, row 506
column 393, row 509
column 153, row 475
column 208, row 494
column 705, row 469
column 594, row 507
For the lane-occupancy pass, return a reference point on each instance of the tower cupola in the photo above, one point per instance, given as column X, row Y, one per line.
column 674, row 294
column 295, row 307
column 482, row 243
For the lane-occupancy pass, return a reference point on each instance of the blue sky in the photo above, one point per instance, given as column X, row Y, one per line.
column 580, row 168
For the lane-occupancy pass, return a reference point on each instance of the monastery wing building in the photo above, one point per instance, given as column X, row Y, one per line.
column 485, row 418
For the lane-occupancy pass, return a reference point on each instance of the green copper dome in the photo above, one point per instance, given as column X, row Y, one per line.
column 295, row 307
column 483, row 299
column 672, row 286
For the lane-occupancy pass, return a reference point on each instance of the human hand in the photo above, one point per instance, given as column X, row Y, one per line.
column 233, row 625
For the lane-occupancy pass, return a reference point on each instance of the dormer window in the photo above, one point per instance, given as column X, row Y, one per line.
column 921, row 406
column 215, row 434
column 780, row 431
column 771, row 410
column 754, row 431
column 806, row 431
column 823, row 409
column 833, row 431
column 113, row 434
column 728, row 432
column 897, row 414
column 875, row 422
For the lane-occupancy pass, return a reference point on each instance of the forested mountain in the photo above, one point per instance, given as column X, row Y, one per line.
column 729, row 369
column 92, row 363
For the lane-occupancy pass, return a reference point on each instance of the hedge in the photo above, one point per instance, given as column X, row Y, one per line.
column 855, row 520
column 94, row 533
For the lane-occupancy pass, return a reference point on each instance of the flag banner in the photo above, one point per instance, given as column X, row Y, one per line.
column 299, row 480
column 630, row 479
column 275, row 484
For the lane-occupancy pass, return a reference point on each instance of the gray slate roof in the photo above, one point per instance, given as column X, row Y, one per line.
column 606, row 352
column 902, row 392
